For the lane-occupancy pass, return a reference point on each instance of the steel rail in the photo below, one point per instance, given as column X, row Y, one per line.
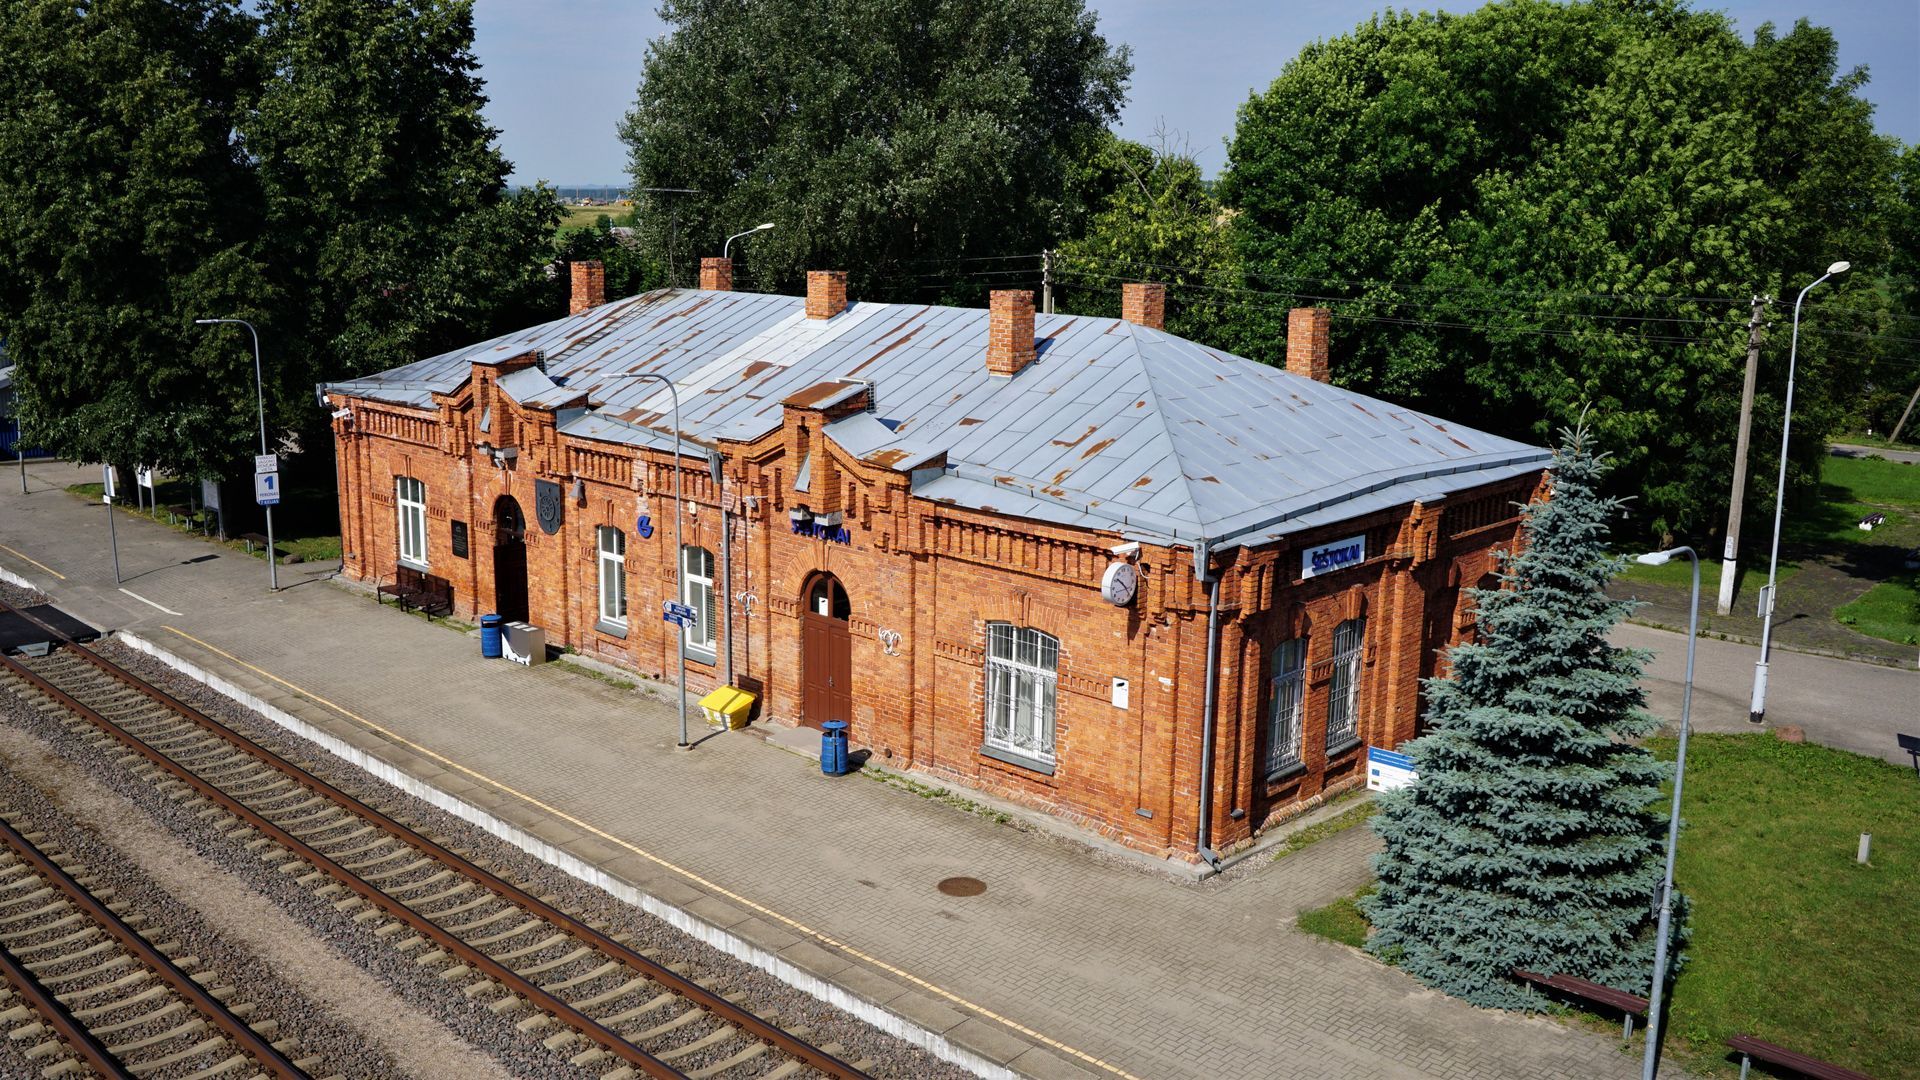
column 754, row 1026
column 60, row 1018
column 244, row 1038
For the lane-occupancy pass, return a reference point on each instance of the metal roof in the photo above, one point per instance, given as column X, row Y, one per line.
column 1113, row 426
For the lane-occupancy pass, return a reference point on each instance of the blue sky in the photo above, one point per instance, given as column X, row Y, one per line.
column 561, row 75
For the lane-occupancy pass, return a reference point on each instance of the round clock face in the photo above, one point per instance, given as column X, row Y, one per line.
column 1119, row 584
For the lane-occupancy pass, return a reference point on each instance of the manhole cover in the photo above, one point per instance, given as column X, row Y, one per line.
column 963, row 886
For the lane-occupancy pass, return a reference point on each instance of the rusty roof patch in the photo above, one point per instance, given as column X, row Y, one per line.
column 1143, row 481
column 1096, row 448
column 681, row 313
column 886, row 458
column 969, row 421
column 1078, row 439
column 896, row 343
column 813, row 395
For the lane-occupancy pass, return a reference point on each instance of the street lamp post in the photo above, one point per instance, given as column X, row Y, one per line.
column 260, row 399
column 1651, row 1059
column 1757, row 713
column 762, row 227
column 679, row 549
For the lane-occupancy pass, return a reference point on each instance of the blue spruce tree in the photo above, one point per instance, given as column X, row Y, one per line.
column 1528, row 840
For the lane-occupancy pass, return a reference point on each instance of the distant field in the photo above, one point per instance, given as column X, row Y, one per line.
column 579, row 217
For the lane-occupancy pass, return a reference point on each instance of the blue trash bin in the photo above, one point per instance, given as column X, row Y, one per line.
column 490, row 636
column 833, row 748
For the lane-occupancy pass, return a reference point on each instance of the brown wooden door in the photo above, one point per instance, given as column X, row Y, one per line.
column 826, row 669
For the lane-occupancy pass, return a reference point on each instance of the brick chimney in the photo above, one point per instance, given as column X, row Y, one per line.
column 826, row 293
column 1144, row 303
column 716, row 275
column 1010, row 332
column 1307, row 342
column 589, row 286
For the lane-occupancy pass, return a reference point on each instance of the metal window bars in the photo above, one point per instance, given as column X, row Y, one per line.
column 1343, row 691
column 1287, row 705
column 1022, row 688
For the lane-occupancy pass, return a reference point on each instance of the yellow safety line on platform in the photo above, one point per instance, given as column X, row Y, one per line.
column 35, row 562
column 682, row 871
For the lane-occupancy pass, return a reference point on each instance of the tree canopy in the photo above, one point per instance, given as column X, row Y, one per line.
column 1526, row 841
column 1538, row 205
column 318, row 167
column 887, row 138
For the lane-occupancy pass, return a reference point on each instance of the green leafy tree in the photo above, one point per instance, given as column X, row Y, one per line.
column 126, row 210
column 1539, row 205
column 1527, row 840
column 888, row 138
column 390, row 227
column 1158, row 222
column 630, row 270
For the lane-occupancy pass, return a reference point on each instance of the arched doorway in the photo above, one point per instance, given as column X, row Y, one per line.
column 509, row 560
column 826, row 652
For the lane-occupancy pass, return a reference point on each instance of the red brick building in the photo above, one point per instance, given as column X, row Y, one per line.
column 1165, row 592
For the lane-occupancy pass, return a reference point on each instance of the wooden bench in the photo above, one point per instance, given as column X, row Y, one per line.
column 414, row 590
column 257, row 538
column 1750, row 1048
column 1911, row 744
column 1630, row 1004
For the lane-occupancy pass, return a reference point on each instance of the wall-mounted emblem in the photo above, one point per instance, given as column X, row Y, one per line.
column 889, row 641
column 643, row 527
column 1335, row 556
column 1119, row 584
column 549, row 506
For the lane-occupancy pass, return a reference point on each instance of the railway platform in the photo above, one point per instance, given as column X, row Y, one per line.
column 1071, row 962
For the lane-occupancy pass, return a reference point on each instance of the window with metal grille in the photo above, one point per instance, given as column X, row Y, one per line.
column 1343, row 691
column 613, row 576
column 1287, row 705
column 696, row 591
column 410, row 496
column 1022, row 679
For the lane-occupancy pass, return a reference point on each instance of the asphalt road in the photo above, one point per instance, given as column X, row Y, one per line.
column 1842, row 703
column 1849, row 450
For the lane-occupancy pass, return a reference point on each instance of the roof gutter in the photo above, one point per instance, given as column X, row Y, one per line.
column 1204, row 835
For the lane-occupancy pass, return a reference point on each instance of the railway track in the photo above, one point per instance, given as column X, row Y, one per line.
column 585, row 996
column 90, row 995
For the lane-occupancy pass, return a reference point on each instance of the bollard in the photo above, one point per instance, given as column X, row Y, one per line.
column 1866, row 844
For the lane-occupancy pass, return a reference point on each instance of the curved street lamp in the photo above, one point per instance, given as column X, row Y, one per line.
column 260, row 398
column 1659, row 558
column 762, row 227
column 1757, row 713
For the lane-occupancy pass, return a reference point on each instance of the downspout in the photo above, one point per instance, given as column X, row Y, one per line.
column 1212, row 704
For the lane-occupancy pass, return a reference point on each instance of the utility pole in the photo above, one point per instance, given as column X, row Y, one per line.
column 1730, row 560
column 1908, row 411
column 1046, row 280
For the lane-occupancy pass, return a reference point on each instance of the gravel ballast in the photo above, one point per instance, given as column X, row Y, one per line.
column 518, row 1052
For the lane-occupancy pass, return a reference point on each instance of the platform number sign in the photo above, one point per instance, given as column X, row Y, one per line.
column 266, row 488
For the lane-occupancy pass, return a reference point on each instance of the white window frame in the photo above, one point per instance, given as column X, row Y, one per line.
column 1023, row 666
column 410, row 513
column 612, row 545
column 1343, row 689
column 696, row 591
column 1286, row 706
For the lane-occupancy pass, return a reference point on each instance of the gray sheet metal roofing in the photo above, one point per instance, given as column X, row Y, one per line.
column 1113, row 426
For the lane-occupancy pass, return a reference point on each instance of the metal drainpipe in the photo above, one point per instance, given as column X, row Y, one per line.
column 1206, row 726
column 726, row 582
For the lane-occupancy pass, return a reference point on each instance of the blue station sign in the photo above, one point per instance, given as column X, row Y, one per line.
column 1335, row 556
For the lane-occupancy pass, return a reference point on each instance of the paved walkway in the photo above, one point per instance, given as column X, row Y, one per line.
column 1073, row 963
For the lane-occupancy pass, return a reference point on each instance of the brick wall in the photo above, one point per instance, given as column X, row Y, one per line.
column 923, row 581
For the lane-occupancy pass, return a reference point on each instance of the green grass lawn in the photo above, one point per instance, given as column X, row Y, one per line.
column 1874, row 480
column 1889, row 611
column 1792, row 941
column 303, row 525
column 1678, row 574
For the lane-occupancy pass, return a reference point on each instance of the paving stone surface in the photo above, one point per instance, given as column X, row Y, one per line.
column 1075, row 961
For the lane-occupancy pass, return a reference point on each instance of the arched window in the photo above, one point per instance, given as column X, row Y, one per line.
column 1286, row 705
column 829, row 599
column 1343, row 690
column 1022, row 679
column 410, row 500
column 696, row 591
column 613, row 576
